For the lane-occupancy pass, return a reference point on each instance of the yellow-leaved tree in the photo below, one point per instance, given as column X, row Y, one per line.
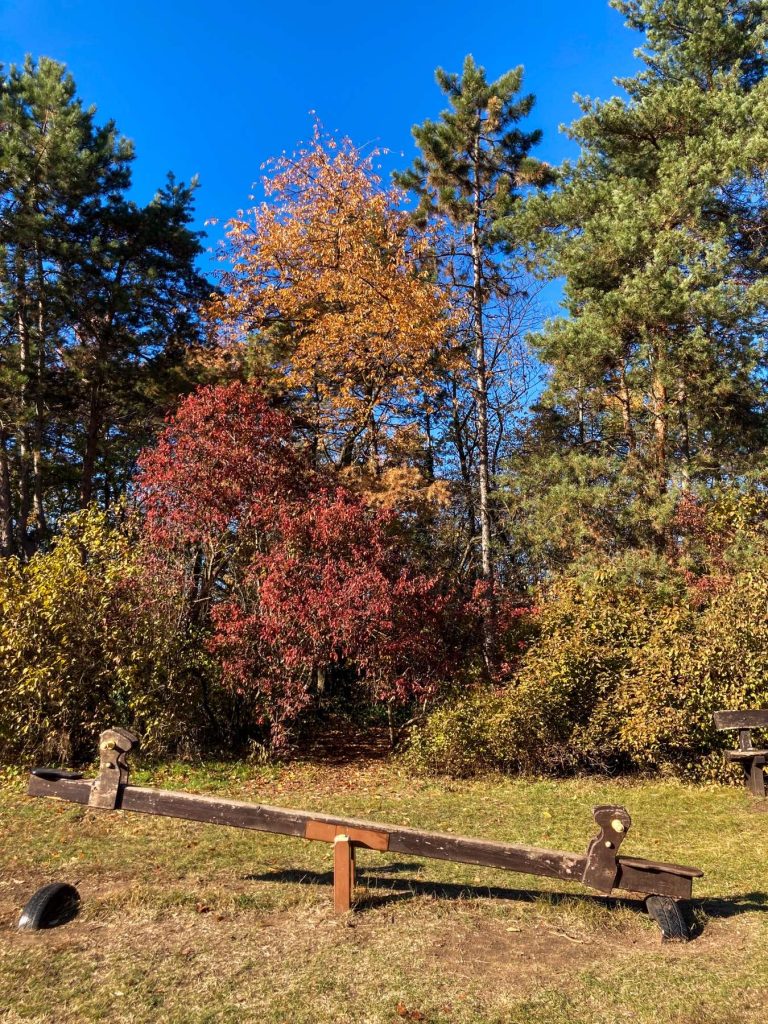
column 92, row 633
column 330, row 278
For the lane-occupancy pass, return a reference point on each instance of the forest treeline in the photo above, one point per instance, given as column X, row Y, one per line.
column 358, row 472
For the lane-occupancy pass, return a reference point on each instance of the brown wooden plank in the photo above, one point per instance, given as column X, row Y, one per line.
column 741, row 719
column 655, row 882
column 635, row 875
column 327, row 833
column 488, row 853
column 76, row 791
column 641, row 863
column 435, row 845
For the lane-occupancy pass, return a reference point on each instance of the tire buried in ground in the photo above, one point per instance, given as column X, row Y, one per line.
column 50, row 906
column 668, row 915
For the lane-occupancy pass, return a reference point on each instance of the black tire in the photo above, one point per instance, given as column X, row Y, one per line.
column 55, row 774
column 50, row 906
column 668, row 915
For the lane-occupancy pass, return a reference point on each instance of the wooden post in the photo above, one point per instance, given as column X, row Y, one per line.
column 602, row 866
column 755, row 778
column 343, row 873
column 114, row 747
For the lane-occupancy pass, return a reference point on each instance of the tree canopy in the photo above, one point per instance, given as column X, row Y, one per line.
column 99, row 304
column 364, row 476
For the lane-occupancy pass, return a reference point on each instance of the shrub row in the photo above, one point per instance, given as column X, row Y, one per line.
column 87, row 639
column 629, row 664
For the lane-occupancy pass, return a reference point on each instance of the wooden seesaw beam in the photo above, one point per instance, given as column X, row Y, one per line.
column 600, row 867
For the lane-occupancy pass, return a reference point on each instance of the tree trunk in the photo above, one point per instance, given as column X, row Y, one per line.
column 6, row 499
column 314, row 442
column 660, row 408
column 461, row 451
column 92, row 435
column 39, row 404
column 25, row 460
column 626, row 414
column 429, row 466
column 481, row 377
column 372, row 436
column 682, row 406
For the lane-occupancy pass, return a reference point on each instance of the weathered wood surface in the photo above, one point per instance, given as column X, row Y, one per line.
column 752, row 759
column 655, row 879
column 602, row 867
column 114, row 747
column 634, row 874
column 327, row 833
column 741, row 720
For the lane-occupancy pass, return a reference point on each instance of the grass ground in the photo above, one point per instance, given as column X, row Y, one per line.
column 189, row 923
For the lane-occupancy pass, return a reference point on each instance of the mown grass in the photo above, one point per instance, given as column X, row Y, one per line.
column 188, row 923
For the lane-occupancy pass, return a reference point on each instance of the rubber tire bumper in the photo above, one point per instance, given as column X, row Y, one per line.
column 51, row 905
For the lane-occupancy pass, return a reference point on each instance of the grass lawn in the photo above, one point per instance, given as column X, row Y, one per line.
column 192, row 923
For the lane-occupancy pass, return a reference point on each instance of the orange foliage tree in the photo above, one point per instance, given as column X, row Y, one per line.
column 330, row 278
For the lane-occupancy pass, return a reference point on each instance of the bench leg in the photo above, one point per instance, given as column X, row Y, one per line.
column 754, row 777
column 343, row 873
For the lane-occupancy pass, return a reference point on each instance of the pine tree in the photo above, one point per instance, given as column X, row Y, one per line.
column 54, row 163
column 473, row 166
column 134, row 301
column 658, row 230
column 92, row 290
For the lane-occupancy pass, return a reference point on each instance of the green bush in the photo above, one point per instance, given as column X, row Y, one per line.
column 468, row 735
column 91, row 635
column 630, row 662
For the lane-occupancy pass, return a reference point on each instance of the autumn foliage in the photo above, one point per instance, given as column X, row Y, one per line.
column 331, row 273
column 385, row 481
column 90, row 632
column 298, row 579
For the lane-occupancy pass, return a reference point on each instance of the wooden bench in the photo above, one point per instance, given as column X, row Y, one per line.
column 751, row 758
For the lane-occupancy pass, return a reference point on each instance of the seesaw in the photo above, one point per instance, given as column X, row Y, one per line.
column 600, row 868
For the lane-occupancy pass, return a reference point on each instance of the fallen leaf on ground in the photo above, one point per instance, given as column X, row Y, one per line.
column 403, row 1011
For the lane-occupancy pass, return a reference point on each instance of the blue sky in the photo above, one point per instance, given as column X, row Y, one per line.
column 216, row 89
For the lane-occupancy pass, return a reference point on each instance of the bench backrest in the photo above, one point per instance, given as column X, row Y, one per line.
column 741, row 720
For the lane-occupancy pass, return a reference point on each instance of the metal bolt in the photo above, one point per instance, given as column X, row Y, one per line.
column 617, row 825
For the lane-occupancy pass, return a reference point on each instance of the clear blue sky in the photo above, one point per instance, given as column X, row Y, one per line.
column 214, row 89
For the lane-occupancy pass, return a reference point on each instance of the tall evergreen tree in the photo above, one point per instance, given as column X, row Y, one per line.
column 54, row 164
column 659, row 231
column 473, row 166
column 93, row 290
column 133, row 310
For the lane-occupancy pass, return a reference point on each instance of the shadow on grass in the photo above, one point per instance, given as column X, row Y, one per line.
column 385, row 887
column 743, row 903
